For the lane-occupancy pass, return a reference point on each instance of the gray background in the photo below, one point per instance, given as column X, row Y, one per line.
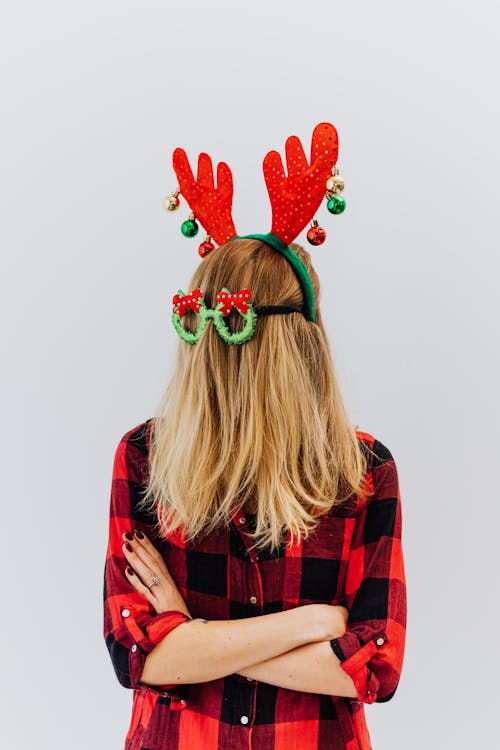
column 95, row 97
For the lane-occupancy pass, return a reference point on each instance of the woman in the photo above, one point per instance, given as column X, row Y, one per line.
column 254, row 585
column 245, row 641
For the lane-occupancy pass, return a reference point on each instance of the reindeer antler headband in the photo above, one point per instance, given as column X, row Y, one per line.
column 295, row 198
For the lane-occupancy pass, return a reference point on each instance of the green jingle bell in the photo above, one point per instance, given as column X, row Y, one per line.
column 336, row 204
column 189, row 228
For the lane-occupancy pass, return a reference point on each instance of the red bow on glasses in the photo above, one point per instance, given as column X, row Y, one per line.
column 192, row 300
column 234, row 300
column 183, row 301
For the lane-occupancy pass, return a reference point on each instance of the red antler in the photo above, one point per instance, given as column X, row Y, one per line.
column 210, row 204
column 296, row 198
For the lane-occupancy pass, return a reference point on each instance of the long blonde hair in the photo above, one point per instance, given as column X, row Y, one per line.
column 261, row 422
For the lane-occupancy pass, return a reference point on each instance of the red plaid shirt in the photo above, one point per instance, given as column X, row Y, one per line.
column 353, row 558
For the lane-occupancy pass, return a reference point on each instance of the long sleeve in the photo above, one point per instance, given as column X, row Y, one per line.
column 371, row 650
column 131, row 627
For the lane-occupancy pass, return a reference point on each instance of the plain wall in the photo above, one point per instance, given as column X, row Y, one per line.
column 95, row 97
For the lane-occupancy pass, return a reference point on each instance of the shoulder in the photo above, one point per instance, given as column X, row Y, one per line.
column 137, row 437
column 375, row 449
column 382, row 476
column 377, row 452
column 132, row 452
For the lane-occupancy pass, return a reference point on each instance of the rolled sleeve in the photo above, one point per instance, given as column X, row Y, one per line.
column 371, row 650
column 146, row 632
column 131, row 627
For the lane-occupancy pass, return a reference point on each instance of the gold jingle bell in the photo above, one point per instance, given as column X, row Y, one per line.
column 335, row 184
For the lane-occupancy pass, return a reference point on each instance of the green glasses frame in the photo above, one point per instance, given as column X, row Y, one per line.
column 205, row 313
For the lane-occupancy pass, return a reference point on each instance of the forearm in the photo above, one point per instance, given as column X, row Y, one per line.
column 203, row 650
column 311, row 668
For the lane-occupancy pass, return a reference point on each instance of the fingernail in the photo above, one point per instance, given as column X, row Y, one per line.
column 139, row 534
column 127, row 535
column 130, row 571
column 127, row 545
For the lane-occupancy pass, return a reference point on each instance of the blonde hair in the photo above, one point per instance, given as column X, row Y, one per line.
column 261, row 422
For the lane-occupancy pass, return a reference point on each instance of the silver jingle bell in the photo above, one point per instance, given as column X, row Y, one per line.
column 172, row 202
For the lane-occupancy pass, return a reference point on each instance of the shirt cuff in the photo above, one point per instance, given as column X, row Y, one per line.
column 354, row 656
column 147, row 631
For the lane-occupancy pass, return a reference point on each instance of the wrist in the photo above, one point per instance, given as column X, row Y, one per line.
column 315, row 622
column 331, row 621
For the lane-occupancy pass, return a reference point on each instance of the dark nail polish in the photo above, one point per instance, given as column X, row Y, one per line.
column 127, row 545
column 128, row 535
column 139, row 534
column 130, row 571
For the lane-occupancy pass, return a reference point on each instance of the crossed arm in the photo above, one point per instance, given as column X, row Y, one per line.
column 297, row 648
column 293, row 647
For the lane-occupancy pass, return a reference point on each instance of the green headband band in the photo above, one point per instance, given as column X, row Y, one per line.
column 298, row 266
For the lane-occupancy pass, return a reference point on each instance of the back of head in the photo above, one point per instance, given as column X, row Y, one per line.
column 259, row 425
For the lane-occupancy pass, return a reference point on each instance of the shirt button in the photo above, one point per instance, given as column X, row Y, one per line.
column 242, row 519
column 380, row 641
column 249, row 679
column 134, row 647
column 125, row 612
column 253, row 599
column 244, row 719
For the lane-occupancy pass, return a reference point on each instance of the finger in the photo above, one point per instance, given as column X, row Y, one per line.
column 324, row 145
column 296, row 161
column 142, row 569
column 147, row 550
column 205, row 173
column 272, row 166
column 148, row 561
column 225, row 182
column 142, row 547
column 183, row 171
column 138, row 584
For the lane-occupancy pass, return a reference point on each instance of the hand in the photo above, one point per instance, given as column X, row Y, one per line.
column 146, row 563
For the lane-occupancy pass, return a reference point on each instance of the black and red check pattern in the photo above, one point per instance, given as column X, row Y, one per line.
column 354, row 557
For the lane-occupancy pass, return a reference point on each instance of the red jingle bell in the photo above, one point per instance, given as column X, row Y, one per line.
column 206, row 246
column 316, row 234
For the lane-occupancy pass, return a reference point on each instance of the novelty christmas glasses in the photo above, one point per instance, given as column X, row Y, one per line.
column 226, row 302
column 295, row 198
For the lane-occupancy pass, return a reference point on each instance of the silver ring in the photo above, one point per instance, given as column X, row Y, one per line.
column 154, row 582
